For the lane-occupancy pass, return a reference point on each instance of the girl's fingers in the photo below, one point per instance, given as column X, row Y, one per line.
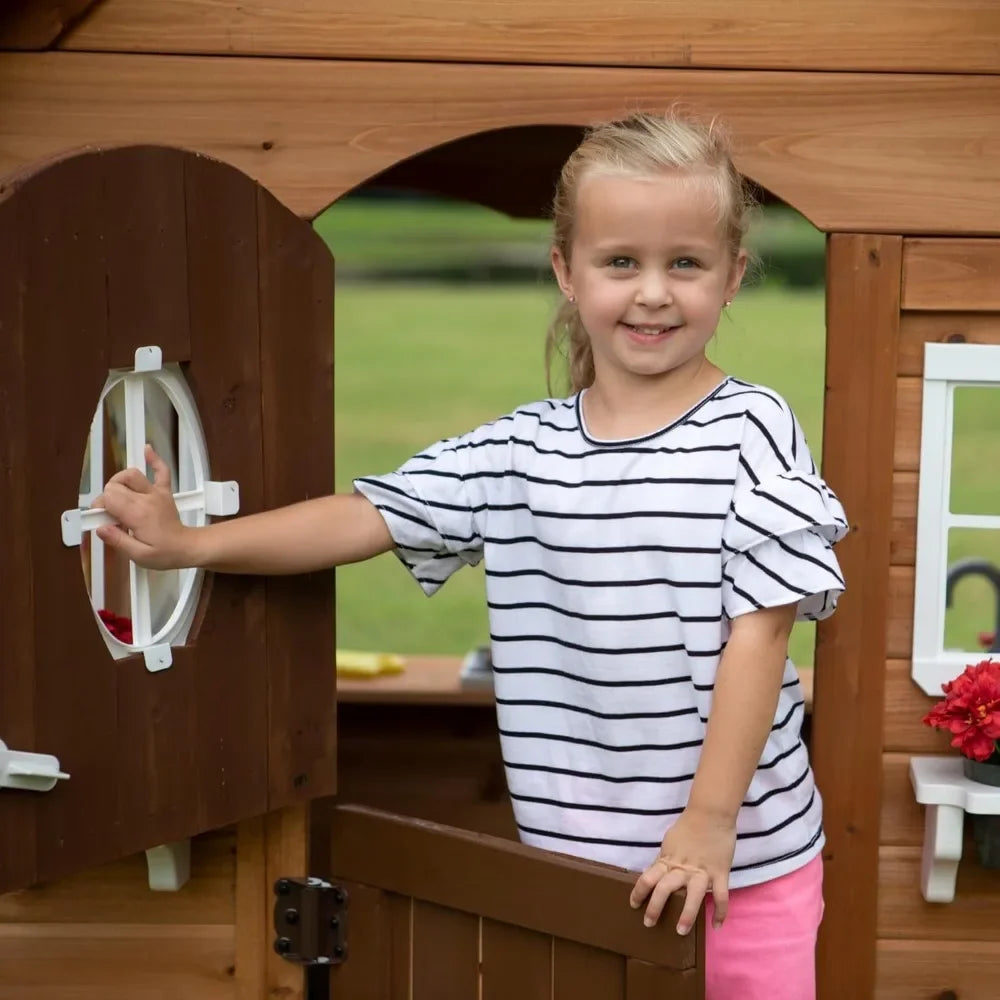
column 134, row 479
column 696, row 888
column 161, row 474
column 720, row 896
column 115, row 538
column 669, row 882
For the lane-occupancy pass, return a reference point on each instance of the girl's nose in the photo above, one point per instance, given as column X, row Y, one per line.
column 653, row 291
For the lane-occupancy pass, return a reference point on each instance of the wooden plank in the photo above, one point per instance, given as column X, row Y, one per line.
column 296, row 366
column 228, row 647
column 715, row 34
column 117, row 961
column 252, row 912
column 147, row 290
column 902, row 822
column 445, row 953
column 645, row 981
column 951, row 274
column 909, row 403
column 903, row 540
column 901, row 153
column 905, row 706
column 903, row 914
column 504, row 881
column 38, row 24
column 899, row 612
column 118, row 893
column 17, row 671
column 366, row 973
column 937, row 970
column 919, row 328
column 516, row 963
column 583, row 973
column 66, row 359
column 863, row 274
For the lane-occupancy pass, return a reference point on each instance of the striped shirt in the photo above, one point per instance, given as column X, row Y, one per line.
column 613, row 570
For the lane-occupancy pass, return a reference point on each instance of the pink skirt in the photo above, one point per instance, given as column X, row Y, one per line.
column 766, row 949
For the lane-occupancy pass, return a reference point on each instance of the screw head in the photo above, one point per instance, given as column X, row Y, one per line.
column 282, row 887
column 338, row 894
column 338, row 951
column 283, row 945
column 334, row 923
column 291, row 915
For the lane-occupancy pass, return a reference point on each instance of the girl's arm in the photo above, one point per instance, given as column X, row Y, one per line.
column 697, row 851
column 312, row 535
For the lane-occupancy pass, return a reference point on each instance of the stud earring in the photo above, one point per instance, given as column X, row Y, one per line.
column 572, row 298
column 729, row 302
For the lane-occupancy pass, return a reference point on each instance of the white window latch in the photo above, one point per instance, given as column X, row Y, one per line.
column 33, row 772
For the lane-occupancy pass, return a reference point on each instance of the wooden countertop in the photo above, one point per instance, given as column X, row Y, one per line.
column 434, row 680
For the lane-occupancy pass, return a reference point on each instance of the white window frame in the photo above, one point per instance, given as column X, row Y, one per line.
column 197, row 499
column 947, row 367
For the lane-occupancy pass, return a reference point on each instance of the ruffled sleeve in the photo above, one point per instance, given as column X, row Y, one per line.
column 777, row 546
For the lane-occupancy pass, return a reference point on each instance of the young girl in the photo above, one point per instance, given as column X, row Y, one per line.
column 649, row 542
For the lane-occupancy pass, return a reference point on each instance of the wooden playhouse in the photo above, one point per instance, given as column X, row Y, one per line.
column 159, row 163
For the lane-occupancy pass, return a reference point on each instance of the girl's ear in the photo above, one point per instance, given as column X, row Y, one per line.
column 736, row 273
column 560, row 268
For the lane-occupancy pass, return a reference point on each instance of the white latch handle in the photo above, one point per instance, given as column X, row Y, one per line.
column 32, row 772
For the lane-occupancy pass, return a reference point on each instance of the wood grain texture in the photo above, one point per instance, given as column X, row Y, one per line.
column 902, row 822
column 583, row 973
column 295, row 295
column 65, row 317
column 852, row 152
column 903, row 914
column 951, row 274
column 932, row 970
column 17, row 672
column 909, row 417
column 905, row 706
column 516, row 963
column 445, row 953
column 645, row 981
column 503, row 881
column 900, row 36
column 919, row 328
column 903, row 541
column 38, row 24
column 899, row 612
column 863, row 276
column 252, row 895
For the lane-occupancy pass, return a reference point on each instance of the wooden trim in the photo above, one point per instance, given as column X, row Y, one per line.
column 909, row 418
column 901, row 154
column 919, row 328
column 960, row 275
column 863, row 283
column 937, row 969
column 905, row 706
column 897, row 35
column 39, row 24
column 505, row 881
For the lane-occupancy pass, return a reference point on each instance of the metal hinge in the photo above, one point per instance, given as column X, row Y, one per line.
column 310, row 921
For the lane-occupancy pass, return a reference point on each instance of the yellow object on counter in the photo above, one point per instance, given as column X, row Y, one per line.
column 352, row 663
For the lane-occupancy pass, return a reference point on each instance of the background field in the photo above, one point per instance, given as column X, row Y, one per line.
column 418, row 359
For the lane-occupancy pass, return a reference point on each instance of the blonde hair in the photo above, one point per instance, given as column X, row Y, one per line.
column 641, row 145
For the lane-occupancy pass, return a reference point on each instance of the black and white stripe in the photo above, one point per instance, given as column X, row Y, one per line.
column 613, row 570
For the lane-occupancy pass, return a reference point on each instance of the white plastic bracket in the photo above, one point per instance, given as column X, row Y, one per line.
column 169, row 866
column 948, row 794
column 157, row 657
column 33, row 772
column 148, row 359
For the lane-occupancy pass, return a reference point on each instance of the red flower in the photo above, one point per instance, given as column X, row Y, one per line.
column 118, row 625
column 970, row 710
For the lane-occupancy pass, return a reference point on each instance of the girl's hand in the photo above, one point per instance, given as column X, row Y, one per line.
column 149, row 531
column 696, row 855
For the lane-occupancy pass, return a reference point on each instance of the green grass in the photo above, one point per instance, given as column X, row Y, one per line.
column 416, row 363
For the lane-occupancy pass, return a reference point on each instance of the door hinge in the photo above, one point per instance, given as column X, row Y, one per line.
column 310, row 921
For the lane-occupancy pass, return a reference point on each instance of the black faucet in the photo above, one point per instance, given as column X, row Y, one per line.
column 977, row 567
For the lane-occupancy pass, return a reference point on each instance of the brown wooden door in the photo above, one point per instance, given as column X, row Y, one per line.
column 437, row 913
column 102, row 253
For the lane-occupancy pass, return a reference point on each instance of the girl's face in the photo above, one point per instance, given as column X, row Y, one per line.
column 650, row 271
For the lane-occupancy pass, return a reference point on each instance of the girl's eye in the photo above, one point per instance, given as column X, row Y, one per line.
column 683, row 263
column 621, row 262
